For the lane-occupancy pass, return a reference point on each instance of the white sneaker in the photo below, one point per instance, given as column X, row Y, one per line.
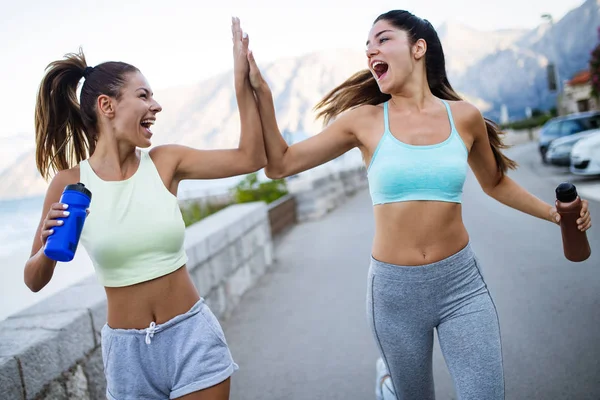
column 383, row 382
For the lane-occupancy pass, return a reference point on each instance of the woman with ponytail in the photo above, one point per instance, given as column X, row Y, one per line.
column 161, row 340
column 417, row 138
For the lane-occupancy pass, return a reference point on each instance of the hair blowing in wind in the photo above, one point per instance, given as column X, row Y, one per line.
column 361, row 88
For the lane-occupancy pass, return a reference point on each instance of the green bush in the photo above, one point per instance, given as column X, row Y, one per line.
column 250, row 189
column 197, row 211
column 536, row 112
column 528, row 123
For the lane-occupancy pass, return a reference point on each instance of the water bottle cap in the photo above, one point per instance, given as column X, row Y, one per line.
column 566, row 192
column 79, row 187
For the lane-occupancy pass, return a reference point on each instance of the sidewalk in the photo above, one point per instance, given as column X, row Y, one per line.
column 302, row 332
column 297, row 334
column 589, row 190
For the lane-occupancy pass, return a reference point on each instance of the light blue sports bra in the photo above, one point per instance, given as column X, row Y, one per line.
column 403, row 172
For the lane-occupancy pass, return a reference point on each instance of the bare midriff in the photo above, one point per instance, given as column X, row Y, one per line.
column 157, row 300
column 418, row 232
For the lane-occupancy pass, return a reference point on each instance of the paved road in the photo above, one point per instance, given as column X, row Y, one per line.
column 302, row 333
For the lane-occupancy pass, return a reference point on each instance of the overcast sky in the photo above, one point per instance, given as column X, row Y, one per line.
column 184, row 41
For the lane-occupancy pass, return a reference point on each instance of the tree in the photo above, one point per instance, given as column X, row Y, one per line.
column 595, row 69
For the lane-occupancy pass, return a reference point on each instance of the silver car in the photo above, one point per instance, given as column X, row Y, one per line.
column 585, row 156
column 559, row 151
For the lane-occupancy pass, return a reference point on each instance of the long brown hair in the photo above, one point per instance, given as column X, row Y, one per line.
column 361, row 88
column 66, row 130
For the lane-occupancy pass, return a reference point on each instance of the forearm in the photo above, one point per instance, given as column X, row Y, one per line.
column 276, row 146
column 509, row 193
column 38, row 271
column 251, row 143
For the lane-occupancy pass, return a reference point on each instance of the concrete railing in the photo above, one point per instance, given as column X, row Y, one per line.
column 228, row 251
column 316, row 196
column 52, row 349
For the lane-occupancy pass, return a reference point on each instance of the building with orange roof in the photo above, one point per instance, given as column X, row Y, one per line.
column 577, row 94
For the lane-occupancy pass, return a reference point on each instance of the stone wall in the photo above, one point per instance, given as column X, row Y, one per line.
column 52, row 349
column 316, row 196
column 228, row 251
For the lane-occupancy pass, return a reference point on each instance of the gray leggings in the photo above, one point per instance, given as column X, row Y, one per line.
column 405, row 304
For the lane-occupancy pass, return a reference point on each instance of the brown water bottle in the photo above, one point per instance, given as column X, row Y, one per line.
column 568, row 204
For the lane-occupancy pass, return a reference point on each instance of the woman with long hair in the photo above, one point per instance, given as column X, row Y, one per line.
column 417, row 138
column 161, row 340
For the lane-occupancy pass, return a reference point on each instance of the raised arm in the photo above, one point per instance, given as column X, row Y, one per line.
column 284, row 160
column 189, row 163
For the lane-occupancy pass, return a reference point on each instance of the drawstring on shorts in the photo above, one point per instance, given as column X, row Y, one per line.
column 150, row 332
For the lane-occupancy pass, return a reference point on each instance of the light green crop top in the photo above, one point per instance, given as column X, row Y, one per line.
column 135, row 231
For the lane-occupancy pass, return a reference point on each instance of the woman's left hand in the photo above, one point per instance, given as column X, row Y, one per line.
column 585, row 219
column 256, row 79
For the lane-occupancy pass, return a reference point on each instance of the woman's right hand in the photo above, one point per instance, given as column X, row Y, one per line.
column 57, row 210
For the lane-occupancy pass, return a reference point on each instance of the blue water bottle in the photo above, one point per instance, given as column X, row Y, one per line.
column 62, row 244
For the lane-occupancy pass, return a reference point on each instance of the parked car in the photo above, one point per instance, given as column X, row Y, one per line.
column 559, row 150
column 585, row 156
column 565, row 126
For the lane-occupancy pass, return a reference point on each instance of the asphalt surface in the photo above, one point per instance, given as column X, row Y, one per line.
column 302, row 332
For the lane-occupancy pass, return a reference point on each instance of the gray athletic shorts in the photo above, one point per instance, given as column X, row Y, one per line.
column 165, row 361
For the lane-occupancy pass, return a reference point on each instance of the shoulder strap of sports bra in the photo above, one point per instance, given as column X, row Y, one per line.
column 449, row 111
column 386, row 122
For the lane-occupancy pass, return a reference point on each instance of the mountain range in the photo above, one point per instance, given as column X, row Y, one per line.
column 490, row 69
